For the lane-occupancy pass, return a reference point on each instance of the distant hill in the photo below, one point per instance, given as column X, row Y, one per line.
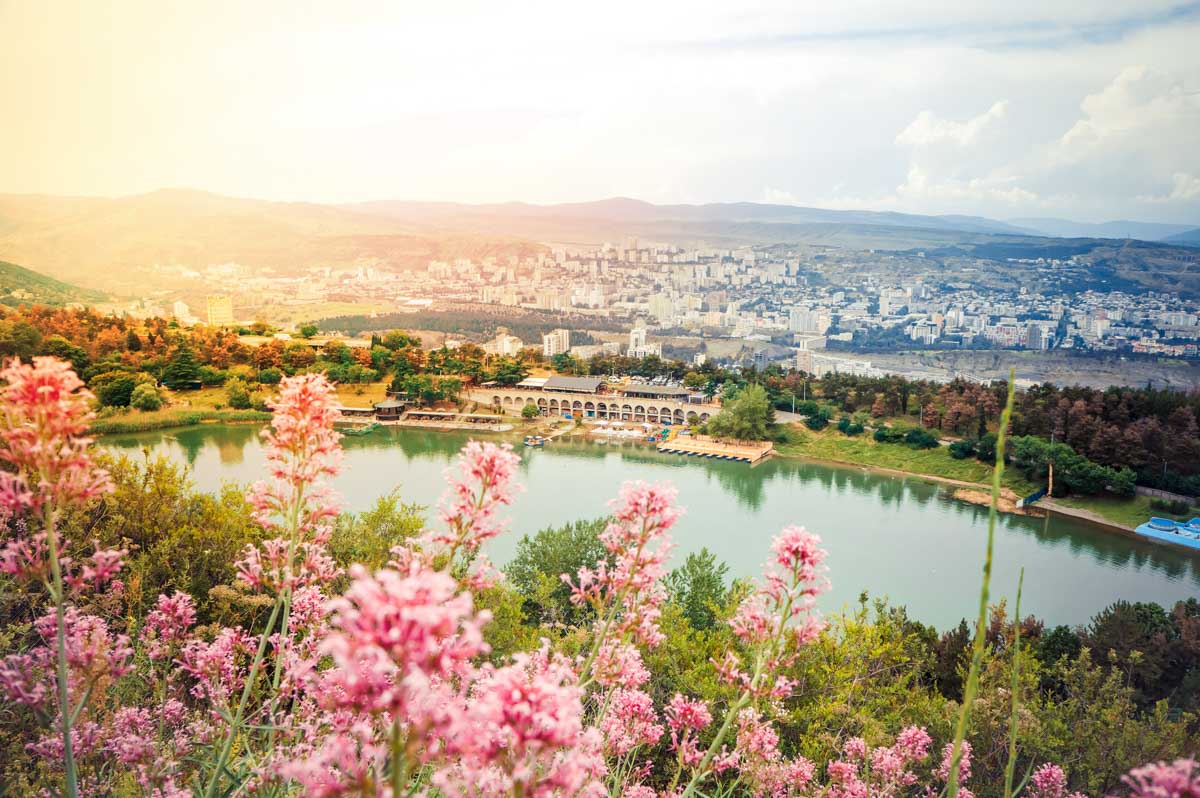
column 1189, row 238
column 1065, row 228
column 594, row 222
column 21, row 286
column 112, row 243
column 136, row 245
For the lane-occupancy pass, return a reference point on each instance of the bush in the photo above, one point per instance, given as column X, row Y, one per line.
column 238, row 394
column 116, row 391
column 530, row 411
column 1171, row 506
column 920, row 439
column 270, row 376
column 961, row 450
column 848, row 427
column 888, row 435
column 145, row 397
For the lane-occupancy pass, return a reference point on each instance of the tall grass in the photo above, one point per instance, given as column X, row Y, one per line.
column 145, row 422
column 971, row 689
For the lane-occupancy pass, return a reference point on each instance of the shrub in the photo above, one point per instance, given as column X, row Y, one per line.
column 270, row 376
column 145, row 397
column 237, row 393
column 961, row 450
column 530, row 411
column 920, row 439
column 1171, row 506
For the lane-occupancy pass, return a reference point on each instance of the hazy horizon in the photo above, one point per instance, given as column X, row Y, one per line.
column 1031, row 109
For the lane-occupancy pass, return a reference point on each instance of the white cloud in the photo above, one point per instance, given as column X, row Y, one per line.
column 929, row 129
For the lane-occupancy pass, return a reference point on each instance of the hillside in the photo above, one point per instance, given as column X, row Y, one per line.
column 114, row 244
column 1066, row 228
column 1190, row 238
column 21, row 286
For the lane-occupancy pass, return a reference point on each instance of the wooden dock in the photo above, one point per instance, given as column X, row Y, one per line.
column 702, row 446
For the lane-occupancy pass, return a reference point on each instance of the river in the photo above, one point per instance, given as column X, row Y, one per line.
column 900, row 537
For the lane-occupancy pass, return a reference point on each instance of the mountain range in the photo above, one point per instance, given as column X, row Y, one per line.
column 120, row 244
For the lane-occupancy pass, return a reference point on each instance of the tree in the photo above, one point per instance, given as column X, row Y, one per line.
column 530, row 411
column 508, row 371
column 114, row 388
column 308, row 330
column 536, row 569
column 145, row 397
column 698, row 587
column 270, row 376
column 299, row 356
column 748, row 416
column 182, row 370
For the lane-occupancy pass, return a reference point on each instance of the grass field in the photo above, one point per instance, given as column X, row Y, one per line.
column 829, row 444
column 1126, row 512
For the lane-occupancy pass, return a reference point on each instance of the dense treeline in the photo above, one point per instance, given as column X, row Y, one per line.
column 527, row 324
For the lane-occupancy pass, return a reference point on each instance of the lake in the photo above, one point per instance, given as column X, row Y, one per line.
column 900, row 537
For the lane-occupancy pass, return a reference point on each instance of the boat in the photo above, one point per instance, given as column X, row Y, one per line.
column 535, row 440
column 1180, row 533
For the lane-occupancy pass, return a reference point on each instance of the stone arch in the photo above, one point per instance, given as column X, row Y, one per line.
column 553, row 405
column 703, row 417
column 495, row 400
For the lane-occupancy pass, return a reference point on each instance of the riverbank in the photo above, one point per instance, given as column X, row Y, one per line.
column 139, row 421
column 973, row 476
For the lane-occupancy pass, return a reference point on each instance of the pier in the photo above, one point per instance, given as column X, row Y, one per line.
column 703, row 446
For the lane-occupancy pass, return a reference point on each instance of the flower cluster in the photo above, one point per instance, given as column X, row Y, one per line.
column 44, row 422
column 390, row 688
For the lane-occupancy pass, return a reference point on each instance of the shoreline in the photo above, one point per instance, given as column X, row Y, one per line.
column 969, row 492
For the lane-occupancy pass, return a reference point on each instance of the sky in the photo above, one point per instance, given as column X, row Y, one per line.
column 1079, row 109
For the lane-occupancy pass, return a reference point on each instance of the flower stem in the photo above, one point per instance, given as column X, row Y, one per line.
column 64, row 699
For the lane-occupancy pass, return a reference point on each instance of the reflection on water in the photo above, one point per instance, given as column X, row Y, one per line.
column 903, row 537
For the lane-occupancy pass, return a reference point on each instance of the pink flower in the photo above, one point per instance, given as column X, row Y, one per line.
column 1048, row 781
column 630, row 721
column 620, row 664
column 687, row 714
column 964, row 769
column 480, row 483
column 1179, row 779
column 167, row 624
column 913, row 743
column 43, row 435
column 393, row 632
column 302, row 449
column 638, row 542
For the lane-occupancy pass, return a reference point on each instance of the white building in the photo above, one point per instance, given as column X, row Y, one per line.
column 556, row 342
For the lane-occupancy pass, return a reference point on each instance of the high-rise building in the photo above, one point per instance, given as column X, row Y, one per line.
column 556, row 342
column 637, row 339
column 220, row 311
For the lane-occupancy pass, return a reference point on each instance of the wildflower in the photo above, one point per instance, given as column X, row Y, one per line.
column 392, row 632
column 167, row 624
column 479, row 484
column 1179, row 779
column 302, row 448
column 630, row 721
column 43, row 435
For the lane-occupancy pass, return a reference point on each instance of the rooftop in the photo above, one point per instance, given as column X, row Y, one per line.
column 654, row 390
column 574, row 384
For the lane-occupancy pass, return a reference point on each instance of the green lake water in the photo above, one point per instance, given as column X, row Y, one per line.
column 900, row 537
